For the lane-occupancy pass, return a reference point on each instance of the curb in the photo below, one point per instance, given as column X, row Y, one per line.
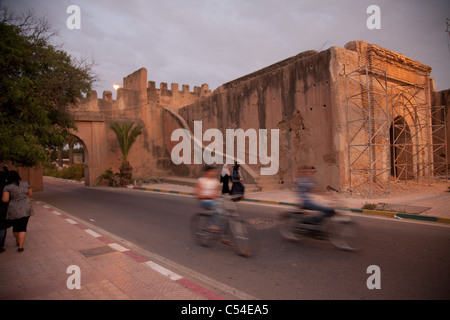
column 137, row 257
column 392, row 214
column 159, row 190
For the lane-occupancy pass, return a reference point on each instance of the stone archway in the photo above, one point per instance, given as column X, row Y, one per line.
column 401, row 150
column 92, row 162
column 85, row 158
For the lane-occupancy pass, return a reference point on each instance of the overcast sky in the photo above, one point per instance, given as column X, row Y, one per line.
column 215, row 41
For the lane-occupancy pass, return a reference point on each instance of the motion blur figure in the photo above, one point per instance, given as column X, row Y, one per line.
column 207, row 191
column 306, row 187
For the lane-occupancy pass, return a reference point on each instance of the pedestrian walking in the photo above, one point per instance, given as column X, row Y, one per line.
column 225, row 176
column 237, row 188
column 18, row 194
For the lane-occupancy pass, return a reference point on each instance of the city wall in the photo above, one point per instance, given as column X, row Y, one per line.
column 137, row 101
column 304, row 97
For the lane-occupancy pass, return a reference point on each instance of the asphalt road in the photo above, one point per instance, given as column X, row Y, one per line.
column 413, row 258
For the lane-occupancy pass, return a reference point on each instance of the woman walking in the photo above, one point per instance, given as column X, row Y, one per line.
column 225, row 178
column 237, row 188
column 3, row 209
column 18, row 194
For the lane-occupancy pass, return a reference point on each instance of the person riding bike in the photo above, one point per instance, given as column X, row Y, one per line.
column 207, row 191
column 305, row 187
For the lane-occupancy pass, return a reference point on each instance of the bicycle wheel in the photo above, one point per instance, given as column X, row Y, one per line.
column 199, row 229
column 288, row 225
column 343, row 233
column 245, row 239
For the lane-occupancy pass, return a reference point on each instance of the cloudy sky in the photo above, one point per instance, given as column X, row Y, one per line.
column 215, row 41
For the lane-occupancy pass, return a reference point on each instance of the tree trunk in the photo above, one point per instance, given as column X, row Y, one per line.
column 71, row 153
column 125, row 173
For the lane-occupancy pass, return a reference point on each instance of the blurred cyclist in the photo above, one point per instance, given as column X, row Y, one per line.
column 207, row 191
column 305, row 187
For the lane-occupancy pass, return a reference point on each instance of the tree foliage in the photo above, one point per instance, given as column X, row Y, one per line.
column 38, row 82
column 126, row 136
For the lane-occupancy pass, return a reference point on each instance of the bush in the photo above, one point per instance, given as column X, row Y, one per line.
column 73, row 172
column 369, row 206
column 112, row 178
column 50, row 170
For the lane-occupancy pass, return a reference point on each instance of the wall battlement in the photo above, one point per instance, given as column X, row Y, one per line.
column 174, row 89
column 174, row 97
column 135, row 85
column 138, row 81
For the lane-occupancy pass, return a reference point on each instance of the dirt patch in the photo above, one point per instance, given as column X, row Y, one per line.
column 403, row 208
column 407, row 190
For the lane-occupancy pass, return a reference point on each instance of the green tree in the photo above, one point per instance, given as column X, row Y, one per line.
column 38, row 82
column 126, row 137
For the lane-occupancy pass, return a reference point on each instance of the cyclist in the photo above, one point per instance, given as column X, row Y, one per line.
column 305, row 187
column 207, row 191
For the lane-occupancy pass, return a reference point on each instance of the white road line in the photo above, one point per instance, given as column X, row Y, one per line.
column 118, row 247
column 171, row 275
column 92, row 233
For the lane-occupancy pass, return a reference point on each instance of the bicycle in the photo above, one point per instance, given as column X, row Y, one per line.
column 339, row 229
column 234, row 231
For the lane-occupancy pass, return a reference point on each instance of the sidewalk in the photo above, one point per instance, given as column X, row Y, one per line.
column 108, row 270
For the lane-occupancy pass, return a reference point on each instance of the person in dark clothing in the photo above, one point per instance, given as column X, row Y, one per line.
column 225, row 176
column 3, row 209
column 237, row 188
column 18, row 194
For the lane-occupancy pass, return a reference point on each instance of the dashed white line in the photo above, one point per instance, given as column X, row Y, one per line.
column 118, row 247
column 171, row 275
column 92, row 233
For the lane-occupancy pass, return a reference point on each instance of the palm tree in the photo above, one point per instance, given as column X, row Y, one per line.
column 126, row 139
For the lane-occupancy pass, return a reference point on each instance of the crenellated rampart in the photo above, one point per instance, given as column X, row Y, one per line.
column 174, row 97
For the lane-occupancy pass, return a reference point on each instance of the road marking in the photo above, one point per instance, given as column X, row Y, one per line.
column 118, row 247
column 93, row 233
column 171, row 275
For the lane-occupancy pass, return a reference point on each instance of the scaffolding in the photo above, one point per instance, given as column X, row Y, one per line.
column 439, row 142
column 410, row 134
column 368, row 130
column 419, row 141
column 392, row 132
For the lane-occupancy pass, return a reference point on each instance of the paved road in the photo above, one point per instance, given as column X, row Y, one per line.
column 413, row 257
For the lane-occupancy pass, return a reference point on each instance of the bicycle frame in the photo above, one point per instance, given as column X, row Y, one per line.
column 233, row 227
